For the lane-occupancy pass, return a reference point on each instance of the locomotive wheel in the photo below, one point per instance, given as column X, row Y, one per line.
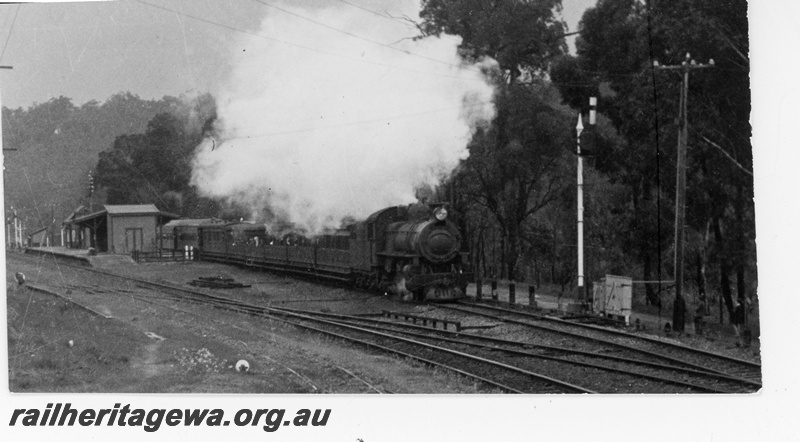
column 438, row 292
column 374, row 283
column 400, row 288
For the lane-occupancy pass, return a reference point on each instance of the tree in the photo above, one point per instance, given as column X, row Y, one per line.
column 522, row 36
column 516, row 166
column 618, row 42
column 56, row 146
column 512, row 182
column 155, row 166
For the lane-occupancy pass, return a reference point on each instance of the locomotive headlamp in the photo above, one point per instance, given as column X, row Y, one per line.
column 441, row 214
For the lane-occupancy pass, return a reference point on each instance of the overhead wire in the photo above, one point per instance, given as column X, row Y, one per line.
column 5, row 20
column 724, row 152
column 385, row 16
column 10, row 30
column 350, row 34
column 403, row 21
column 308, row 48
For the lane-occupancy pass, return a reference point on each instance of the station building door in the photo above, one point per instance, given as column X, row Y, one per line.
column 133, row 239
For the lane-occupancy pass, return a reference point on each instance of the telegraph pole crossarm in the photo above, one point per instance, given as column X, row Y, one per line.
column 679, row 307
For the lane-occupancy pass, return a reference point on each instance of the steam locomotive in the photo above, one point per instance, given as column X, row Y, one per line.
column 414, row 252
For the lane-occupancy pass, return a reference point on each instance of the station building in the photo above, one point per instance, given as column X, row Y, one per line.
column 119, row 229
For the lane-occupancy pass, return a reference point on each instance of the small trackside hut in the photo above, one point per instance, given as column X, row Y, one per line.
column 613, row 297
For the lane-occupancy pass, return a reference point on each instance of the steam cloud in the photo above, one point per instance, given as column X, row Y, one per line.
column 334, row 126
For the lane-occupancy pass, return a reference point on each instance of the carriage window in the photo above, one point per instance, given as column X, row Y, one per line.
column 371, row 232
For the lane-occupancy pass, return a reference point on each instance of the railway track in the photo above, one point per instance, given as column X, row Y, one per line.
column 644, row 348
column 496, row 375
column 512, row 366
column 488, row 358
column 499, row 375
column 637, row 375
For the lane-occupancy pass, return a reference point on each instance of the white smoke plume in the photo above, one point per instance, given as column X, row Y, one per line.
column 331, row 126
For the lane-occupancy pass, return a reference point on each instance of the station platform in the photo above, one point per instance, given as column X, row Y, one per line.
column 82, row 256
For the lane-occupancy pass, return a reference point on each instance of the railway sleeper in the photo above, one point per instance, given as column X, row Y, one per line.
column 423, row 319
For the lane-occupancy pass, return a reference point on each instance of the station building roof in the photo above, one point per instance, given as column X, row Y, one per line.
column 131, row 209
column 73, row 215
column 126, row 209
column 193, row 222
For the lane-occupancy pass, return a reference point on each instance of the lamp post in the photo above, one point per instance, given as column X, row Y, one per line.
column 578, row 130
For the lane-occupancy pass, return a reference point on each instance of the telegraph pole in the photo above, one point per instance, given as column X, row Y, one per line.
column 1, row 120
column 679, row 306
column 91, row 192
column 2, row 148
column 578, row 130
